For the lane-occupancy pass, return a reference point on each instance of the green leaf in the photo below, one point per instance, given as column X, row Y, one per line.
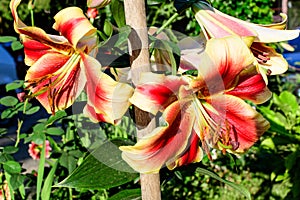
column 108, row 28
column 123, row 35
column 10, row 149
column 37, row 138
column 14, row 85
column 9, row 101
column 106, row 164
column 182, row 5
column 55, row 131
column 5, row 39
column 38, row 128
column 8, row 113
column 268, row 143
column 16, row 180
column 67, row 161
column 58, row 115
column 46, row 190
column 16, row 45
column 118, row 13
column 239, row 188
column 32, row 110
column 290, row 101
column 12, row 167
column 129, row 194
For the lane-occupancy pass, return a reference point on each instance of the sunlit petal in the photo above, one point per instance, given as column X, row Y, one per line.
column 55, row 87
column 156, row 91
column 72, row 24
column 245, row 125
column 218, row 24
column 108, row 97
column 252, row 88
column 168, row 145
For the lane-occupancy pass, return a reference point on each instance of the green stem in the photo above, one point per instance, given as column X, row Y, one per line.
column 167, row 23
column 20, row 123
column 70, row 194
column 41, row 171
column 31, row 17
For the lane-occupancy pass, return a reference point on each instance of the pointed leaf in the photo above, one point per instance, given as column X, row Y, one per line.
column 58, row 115
column 118, row 13
column 133, row 194
column 239, row 188
column 32, row 110
column 100, row 169
column 46, row 191
column 55, row 131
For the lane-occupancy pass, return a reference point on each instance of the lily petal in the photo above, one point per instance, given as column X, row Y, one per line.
column 72, row 24
column 218, row 24
column 55, row 87
column 252, row 88
column 156, row 91
column 276, row 64
column 172, row 145
column 245, row 124
column 222, row 67
column 108, row 97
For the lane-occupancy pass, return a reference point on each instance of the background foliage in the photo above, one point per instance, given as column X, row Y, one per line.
column 270, row 170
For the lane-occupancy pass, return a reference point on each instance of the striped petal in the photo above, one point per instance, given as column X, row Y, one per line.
column 219, row 70
column 252, row 88
column 73, row 25
column 156, row 91
column 172, row 145
column 109, row 99
column 218, row 24
column 244, row 125
column 55, row 80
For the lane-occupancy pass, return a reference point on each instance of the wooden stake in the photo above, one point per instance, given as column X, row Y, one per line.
column 135, row 15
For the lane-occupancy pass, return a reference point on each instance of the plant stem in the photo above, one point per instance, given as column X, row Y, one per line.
column 20, row 123
column 170, row 20
column 41, row 171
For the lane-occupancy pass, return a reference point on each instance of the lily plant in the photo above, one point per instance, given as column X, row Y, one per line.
column 62, row 66
column 207, row 110
column 216, row 24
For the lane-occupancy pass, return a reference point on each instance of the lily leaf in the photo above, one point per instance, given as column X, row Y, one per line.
column 104, row 168
column 133, row 194
column 118, row 12
column 239, row 188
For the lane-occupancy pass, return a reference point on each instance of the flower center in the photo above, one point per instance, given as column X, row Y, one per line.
column 261, row 56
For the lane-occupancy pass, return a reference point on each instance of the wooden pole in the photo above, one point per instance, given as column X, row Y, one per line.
column 135, row 14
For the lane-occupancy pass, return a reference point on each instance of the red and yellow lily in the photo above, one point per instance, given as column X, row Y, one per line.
column 207, row 110
column 216, row 24
column 61, row 66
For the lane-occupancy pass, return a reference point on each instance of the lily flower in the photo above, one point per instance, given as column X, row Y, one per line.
column 216, row 24
column 207, row 110
column 61, row 65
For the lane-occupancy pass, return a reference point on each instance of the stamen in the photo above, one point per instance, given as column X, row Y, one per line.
column 261, row 56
